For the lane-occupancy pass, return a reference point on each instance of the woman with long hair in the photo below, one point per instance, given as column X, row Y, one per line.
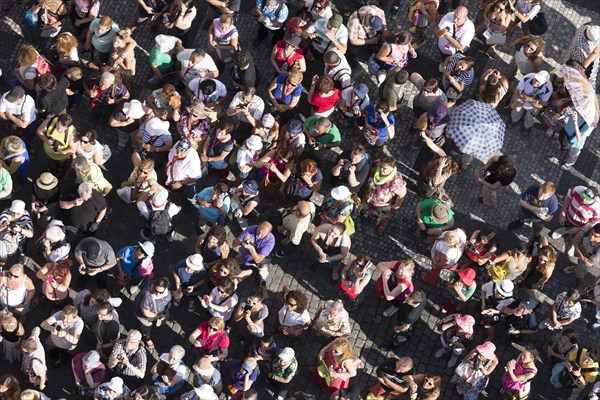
column 496, row 19
column 89, row 147
column 493, row 86
column 166, row 98
column 426, row 386
column 251, row 313
column 539, row 270
column 529, row 55
column 337, row 362
column 9, row 388
column 56, row 278
column 66, row 49
column 122, row 56
column 516, row 381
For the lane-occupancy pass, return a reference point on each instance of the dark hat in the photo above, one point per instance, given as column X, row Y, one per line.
column 438, row 114
column 529, row 303
column 376, row 23
column 92, row 250
column 295, row 127
column 183, row 145
column 15, row 94
column 250, row 187
column 588, row 194
column 336, row 21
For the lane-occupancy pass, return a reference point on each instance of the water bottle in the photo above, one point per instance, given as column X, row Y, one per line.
column 545, row 210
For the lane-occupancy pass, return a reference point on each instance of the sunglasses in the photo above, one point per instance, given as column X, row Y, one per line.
column 318, row 8
column 102, row 314
column 13, row 275
column 212, row 328
column 84, row 141
column 292, row 304
column 291, row 84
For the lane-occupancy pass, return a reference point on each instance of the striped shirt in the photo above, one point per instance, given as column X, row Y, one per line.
column 156, row 141
column 465, row 77
column 272, row 14
column 138, row 358
column 578, row 213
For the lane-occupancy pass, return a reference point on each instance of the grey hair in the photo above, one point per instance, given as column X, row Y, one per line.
column 337, row 305
column 80, row 162
column 85, row 189
column 323, row 122
column 177, row 352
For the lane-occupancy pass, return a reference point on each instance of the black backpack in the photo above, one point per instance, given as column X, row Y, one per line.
column 160, row 222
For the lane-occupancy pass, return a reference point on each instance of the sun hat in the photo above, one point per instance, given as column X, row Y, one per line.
column 156, row 127
column 91, row 359
column 134, row 334
column 159, row 198
column 295, row 127
column 254, row 142
column 55, row 234
column 147, row 247
column 205, row 392
column 195, row 262
column 593, row 33
column 287, row 354
column 542, row 77
column 487, row 349
column 249, row 364
column 336, row 21
column 465, row 322
column 164, row 43
column 505, row 287
column 15, row 94
column 198, row 110
column 17, row 207
column 268, row 120
column 340, row 193
column 46, row 181
column 204, row 367
column 116, row 385
column 467, row 276
column 293, row 41
column 361, row 90
column 250, row 187
column 376, row 23
column 439, row 213
column 134, row 109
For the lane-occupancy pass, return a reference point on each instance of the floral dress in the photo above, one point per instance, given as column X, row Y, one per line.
column 469, row 382
column 381, row 193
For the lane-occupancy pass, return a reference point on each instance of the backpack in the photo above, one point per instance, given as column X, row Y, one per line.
column 538, row 25
column 160, row 221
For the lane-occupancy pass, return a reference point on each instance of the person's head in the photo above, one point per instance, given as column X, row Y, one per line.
column 160, row 286
column 529, row 355
column 320, row 6
column 27, row 55
column 303, row 208
column 226, row 21
column 16, row 272
column 9, row 323
column 341, row 349
column 404, row 365
column 381, row 108
column 358, row 154
column 96, row 297
column 401, row 77
column 226, row 289
column 224, row 127
column 250, row 394
column 525, row 306
column 503, row 289
column 402, row 37
column 248, row 93
column 169, row 95
column 146, row 167
column 133, row 339
column 572, row 298
column 104, row 25
column 16, row 210
column 507, row 170
column 65, row 43
column 331, row 58
column 216, row 236
column 105, row 311
column 540, row 79
column 241, row 59
column 183, row 148
column 521, row 249
column 74, row 74
column 461, row 15
column 595, row 233
column 491, row 90
column 88, row 136
column 69, row 314
column 122, row 38
column 294, row 78
column 47, row 82
column 591, row 356
column 296, row 301
column 30, row 394
column 336, row 307
column 386, row 166
column 29, row 345
column 374, row 22
column 361, row 265
column 176, row 354
column 145, row 392
column 432, row 383
column 12, row 144
column 9, row 386
column 547, row 190
column 85, row 191
column 16, row 96
column 569, row 336
column 62, row 268
column 309, row 166
column 325, row 84
column 415, row 298
column 286, row 356
column 336, row 230
column 80, row 164
column 258, row 296
column 322, row 126
column 106, row 80
column 63, row 122
column 406, row 269
column 228, row 267
column 197, row 55
column 218, row 191
column 215, row 325
column 465, row 64
column 533, row 47
column 267, row 341
column 263, row 229
column 91, row 360
column 546, row 257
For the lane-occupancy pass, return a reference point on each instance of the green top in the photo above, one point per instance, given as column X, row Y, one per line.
column 333, row 136
column 5, row 179
column 289, row 370
column 467, row 291
column 163, row 61
column 427, row 209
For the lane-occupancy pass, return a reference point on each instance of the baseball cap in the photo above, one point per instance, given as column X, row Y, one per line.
column 295, row 127
column 542, row 77
column 376, row 23
column 336, row 21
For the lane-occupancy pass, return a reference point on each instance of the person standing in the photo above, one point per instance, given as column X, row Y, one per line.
column 538, row 204
column 455, row 32
column 531, row 96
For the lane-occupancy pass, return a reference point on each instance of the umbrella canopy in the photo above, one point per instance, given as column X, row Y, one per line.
column 582, row 94
column 476, row 128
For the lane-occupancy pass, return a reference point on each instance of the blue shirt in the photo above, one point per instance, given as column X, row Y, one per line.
column 211, row 214
column 128, row 263
column 185, row 277
column 584, row 129
column 263, row 246
column 278, row 91
column 531, row 196
column 378, row 123
column 271, row 15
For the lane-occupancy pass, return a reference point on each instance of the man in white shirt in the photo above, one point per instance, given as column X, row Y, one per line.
column 245, row 109
column 65, row 329
column 17, row 108
column 327, row 34
column 295, row 221
column 338, row 69
column 183, row 168
column 196, row 64
column 530, row 97
column 455, row 32
column 210, row 91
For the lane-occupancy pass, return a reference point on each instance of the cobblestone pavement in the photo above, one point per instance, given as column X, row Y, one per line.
column 537, row 159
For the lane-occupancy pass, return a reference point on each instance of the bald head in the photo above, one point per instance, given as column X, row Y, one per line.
column 460, row 15
column 303, row 208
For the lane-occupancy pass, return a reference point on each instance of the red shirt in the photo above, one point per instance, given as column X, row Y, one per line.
column 323, row 104
column 280, row 59
column 221, row 340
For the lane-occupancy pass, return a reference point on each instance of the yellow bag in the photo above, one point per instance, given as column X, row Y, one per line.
column 498, row 271
column 349, row 224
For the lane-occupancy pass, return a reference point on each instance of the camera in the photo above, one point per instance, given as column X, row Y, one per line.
column 247, row 307
column 346, row 165
column 58, row 328
column 55, row 145
column 470, row 247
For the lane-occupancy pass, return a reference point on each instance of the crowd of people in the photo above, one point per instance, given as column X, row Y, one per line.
column 205, row 143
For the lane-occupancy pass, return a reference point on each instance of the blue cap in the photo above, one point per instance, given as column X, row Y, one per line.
column 376, row 23
column 295, row 127
column 250, row 187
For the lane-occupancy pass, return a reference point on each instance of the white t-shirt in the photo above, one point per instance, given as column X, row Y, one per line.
column 488, row 291
column 290, row 318
column 453, row 253
column 463, row 34
column 74, row 328
column 188, row 168
column 190, row 71
column 320, row 28
column 256, row 106
column 220, row 92
column 26, row 109
column 349, row 102
column 341, row 73
column 180, row 369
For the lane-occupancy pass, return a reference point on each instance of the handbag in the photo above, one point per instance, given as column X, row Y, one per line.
column 493, row 38
column 349, row 224
column 292, row 185
column 416, row 15
column 323, row 372
column 498, row 271
column 106, row 152
column 370, row 136
column 538, row 25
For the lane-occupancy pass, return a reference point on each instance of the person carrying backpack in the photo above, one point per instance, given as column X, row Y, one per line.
column 271, row 15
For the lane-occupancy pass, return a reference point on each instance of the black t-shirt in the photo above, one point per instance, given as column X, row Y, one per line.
column 408, row 314
column 57, row 100
column 248, row 77
column 361, row 173
column 493, row 177
column 82, row 216
column 388, row 370
column 528, row 321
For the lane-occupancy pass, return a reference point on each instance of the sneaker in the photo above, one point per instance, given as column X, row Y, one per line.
column 596, row 325
column 412, row 29
column 557, row 234
column 391, row 310
column 515, row 224
column 452, row 361
column 569, row 270
column 395, row 10
column 566, row 167
column 440, row 352
column 192, row 305
column 571, row 251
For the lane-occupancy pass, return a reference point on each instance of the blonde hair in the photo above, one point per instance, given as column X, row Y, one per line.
column 27, row 55
column 30, row 395
column 13, row 144
column 217, row 322
column 409, row 266
column 226, row 19
column 295, row 77
column 346, row 348
column 74, row 74
column 548, row 187
column 29, row 345
column 9, row 323
column 452, row 239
